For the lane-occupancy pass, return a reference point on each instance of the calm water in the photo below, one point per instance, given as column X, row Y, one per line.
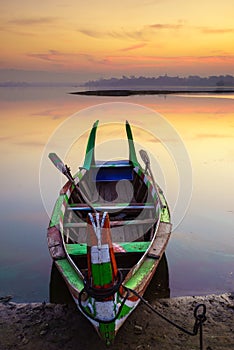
column 200, row 254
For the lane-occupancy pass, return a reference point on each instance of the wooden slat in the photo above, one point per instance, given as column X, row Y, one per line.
column 117, row 234
column 119, row 206
column 113, row 204
column 163, row 234
column 121, row 247
column 112, row 223
column 130, row 234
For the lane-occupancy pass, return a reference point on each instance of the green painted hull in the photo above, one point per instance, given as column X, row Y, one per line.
column 76, row 258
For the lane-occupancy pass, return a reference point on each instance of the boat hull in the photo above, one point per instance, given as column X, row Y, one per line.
column 108, row 232
column 137, row 280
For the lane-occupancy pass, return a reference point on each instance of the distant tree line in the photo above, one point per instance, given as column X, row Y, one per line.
column 23, row 84
column 163, row 80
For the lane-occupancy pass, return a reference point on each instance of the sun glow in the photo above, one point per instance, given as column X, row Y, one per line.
column 103, row 38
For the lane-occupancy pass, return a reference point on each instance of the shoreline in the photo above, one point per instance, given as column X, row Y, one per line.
column 126, row 92
column 59, row 326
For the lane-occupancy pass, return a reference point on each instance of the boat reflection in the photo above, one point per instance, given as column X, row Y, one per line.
column 59, row 293
column 158, row 287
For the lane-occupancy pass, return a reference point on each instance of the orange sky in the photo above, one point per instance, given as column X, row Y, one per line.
column 78, row 40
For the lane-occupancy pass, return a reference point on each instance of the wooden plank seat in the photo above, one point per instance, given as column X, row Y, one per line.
column 110, row 206
column 114, row 223
column 122, row 247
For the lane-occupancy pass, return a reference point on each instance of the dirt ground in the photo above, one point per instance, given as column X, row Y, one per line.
column 56, row 327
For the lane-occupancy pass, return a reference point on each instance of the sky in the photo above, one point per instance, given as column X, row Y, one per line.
column 76, row 41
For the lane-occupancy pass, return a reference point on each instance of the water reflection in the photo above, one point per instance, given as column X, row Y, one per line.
column 158, row 287
column 58, row 291
column 200, row 253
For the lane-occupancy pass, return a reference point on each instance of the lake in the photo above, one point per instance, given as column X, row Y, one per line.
column 190, row 139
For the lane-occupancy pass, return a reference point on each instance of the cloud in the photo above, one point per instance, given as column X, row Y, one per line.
column 213, row 136
column 91, row 33
column 126, row 34
column 16, row 31
column 51, row 55
column 25, row 26
column 29, row 21
column 146, row 32
column 216, row 58
column 116, row 34
column 127, row 57
column 176, row 60
column 53, row 114
column 59, row 57
column 134, row 47
column 30, row 143
column 68, row 60
column 143, row 33
column 207, row 30
column 160, row 26
column 13, row 140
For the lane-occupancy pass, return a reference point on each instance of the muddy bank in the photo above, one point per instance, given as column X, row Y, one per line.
column 50, row 326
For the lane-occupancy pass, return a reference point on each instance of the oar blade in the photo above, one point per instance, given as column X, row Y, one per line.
column 144, row 157
column 57, row 162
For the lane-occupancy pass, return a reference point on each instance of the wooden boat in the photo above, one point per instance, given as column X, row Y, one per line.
column 107, row 233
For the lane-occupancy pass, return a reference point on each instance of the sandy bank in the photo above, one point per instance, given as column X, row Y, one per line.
column 50, row 326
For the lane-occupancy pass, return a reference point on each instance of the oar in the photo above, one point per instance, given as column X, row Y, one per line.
column 146, row 160
column 66, row 171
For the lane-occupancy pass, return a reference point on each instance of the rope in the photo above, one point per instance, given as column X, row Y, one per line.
column 101, row 294
column 98, row 294
column 200, row 318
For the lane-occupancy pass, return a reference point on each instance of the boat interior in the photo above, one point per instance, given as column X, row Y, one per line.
column 131, row 210
column 128, row 202
column 115, row 187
